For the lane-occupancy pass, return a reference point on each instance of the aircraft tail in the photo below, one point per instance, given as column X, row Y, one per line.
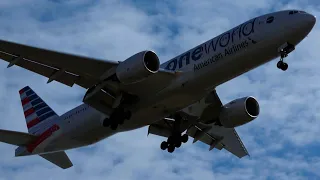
column 36, row 111
column 22, row 140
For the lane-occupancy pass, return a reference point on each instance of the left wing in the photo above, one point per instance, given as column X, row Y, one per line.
column 62, row 67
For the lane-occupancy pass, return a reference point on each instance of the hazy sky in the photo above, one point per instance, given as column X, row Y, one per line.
column 283, row 141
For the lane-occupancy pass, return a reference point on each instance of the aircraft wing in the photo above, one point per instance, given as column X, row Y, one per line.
column 219, row 137
column 64, row 68
column 213, row 135
column 216, row 137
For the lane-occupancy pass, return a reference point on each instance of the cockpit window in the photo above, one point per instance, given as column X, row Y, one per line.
column 295, row 12
column 270, row 19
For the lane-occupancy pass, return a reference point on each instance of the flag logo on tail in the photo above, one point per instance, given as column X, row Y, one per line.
column 35, row 109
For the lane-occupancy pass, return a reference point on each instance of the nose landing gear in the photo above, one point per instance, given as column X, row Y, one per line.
column 284, row 50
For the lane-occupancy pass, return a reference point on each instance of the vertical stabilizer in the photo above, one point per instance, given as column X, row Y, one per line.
column 36, row 111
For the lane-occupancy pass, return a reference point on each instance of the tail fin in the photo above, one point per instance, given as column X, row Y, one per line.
column 36, row 111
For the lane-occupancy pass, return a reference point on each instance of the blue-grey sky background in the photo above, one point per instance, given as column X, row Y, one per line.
column 283, row 142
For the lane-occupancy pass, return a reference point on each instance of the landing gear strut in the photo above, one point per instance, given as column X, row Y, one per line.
column 120, row 113
column 118, row 116
column 176, row 139
column 284, row 50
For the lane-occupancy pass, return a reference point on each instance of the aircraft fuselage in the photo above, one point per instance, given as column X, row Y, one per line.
column 204, row 67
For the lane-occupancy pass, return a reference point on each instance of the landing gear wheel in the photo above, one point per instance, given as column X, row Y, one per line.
column 164, row 145
column 171, row 148
column 178, row 144
column 284, row 51
column 184, row 138
column 279, row 64
column 282, row 65
column 170, row 140
column 285, row 66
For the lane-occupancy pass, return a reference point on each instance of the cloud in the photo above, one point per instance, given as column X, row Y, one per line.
column 283, row 141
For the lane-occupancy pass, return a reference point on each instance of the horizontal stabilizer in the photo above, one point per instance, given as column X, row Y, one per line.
column 16, row 138
column 60, row 159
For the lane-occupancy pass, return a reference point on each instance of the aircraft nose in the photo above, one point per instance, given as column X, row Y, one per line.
column 309, row 20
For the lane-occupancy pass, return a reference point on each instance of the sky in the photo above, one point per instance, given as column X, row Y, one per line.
column 283, row 141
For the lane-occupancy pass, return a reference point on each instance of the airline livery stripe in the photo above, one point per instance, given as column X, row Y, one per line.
column 29, row 93
column 43, row 111
column 25, row 101
column 23, row 95
column 33, row 122
column 28, row 112
column 48, row 115
column 39, row 106
column 31, row 117
column 21, row 91
column 45, row 135
column 24, row 89
column 32, row 97
column 36, row 101
column 27, row 106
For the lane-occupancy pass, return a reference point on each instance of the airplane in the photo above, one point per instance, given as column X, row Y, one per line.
column 175, row 99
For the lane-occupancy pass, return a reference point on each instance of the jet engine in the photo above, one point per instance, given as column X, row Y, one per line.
column 239, row 112
column 138, row 67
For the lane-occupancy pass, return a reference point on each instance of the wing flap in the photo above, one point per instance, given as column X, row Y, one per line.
column 76, row 64
column 231, row 140
column 202, row 135
column 60, row 159
column 228, row 137
column 47, row 71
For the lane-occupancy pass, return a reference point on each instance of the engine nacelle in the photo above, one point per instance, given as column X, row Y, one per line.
column 239, row 112
column 138, row 67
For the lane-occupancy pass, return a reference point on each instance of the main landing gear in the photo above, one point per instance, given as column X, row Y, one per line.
column 120, row 112
column 176, row 139
column 284, row 50
column 118, row 116
column 174, row 142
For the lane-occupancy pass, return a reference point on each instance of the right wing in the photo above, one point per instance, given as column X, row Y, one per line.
column 60, row 159
column 219, row 137
column 213, row 135
column 64, row 68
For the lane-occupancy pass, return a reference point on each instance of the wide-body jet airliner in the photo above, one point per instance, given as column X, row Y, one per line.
column 176, row 99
